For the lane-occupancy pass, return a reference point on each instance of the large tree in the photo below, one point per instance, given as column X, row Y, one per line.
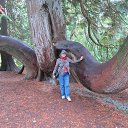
column 47, row 27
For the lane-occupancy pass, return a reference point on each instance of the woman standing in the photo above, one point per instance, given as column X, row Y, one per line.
column 63, row 69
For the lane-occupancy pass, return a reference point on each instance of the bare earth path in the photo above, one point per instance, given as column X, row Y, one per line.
column 32, row 104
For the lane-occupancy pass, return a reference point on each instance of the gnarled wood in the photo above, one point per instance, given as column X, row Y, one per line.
column 47, row 25
column 22, row 52
column 7, row 63
column 109, row 77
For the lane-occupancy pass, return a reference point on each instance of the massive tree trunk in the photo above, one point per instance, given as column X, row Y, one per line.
column 22, row 52
column 109, row 77
column 47, row 26
column 7, row 60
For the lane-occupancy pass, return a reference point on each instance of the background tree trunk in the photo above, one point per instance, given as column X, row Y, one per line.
column 109, row 77
column 8, row 63
column 22, row 52
column 47, row 26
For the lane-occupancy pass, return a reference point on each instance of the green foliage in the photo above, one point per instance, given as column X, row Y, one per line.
column 4, row 16
column 18, row 27
column 18, row 63
column 108, row 23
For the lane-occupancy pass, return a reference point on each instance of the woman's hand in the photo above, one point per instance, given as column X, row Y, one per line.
column 53, row 76
column 81, row 58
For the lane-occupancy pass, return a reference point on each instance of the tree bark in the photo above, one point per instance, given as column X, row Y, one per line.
column 47, row 26
column 109, row 77
column 22, row 52
column 8, row 63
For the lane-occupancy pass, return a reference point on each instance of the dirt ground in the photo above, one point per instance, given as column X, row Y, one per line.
column 32, row 104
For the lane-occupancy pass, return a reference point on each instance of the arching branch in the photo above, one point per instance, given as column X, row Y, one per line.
column 109, row 77
column 21, row 52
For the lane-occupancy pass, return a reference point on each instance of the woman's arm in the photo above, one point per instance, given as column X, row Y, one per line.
column 75, row 61
column 56, row 67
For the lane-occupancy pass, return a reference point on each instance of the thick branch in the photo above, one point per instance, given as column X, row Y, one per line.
column 109, row 77
column 22, row 52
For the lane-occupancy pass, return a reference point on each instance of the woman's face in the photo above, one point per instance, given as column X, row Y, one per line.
column 63, row 55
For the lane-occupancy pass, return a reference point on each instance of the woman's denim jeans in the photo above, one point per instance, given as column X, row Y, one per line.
column 64, row 84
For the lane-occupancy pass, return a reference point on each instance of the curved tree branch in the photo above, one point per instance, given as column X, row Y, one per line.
column 22, row 52
column 109, row 77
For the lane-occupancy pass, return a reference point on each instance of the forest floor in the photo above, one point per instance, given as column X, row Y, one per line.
column 32, row 104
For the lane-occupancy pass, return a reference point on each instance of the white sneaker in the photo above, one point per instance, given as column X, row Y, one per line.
column 63, row 97
column 69, row 99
